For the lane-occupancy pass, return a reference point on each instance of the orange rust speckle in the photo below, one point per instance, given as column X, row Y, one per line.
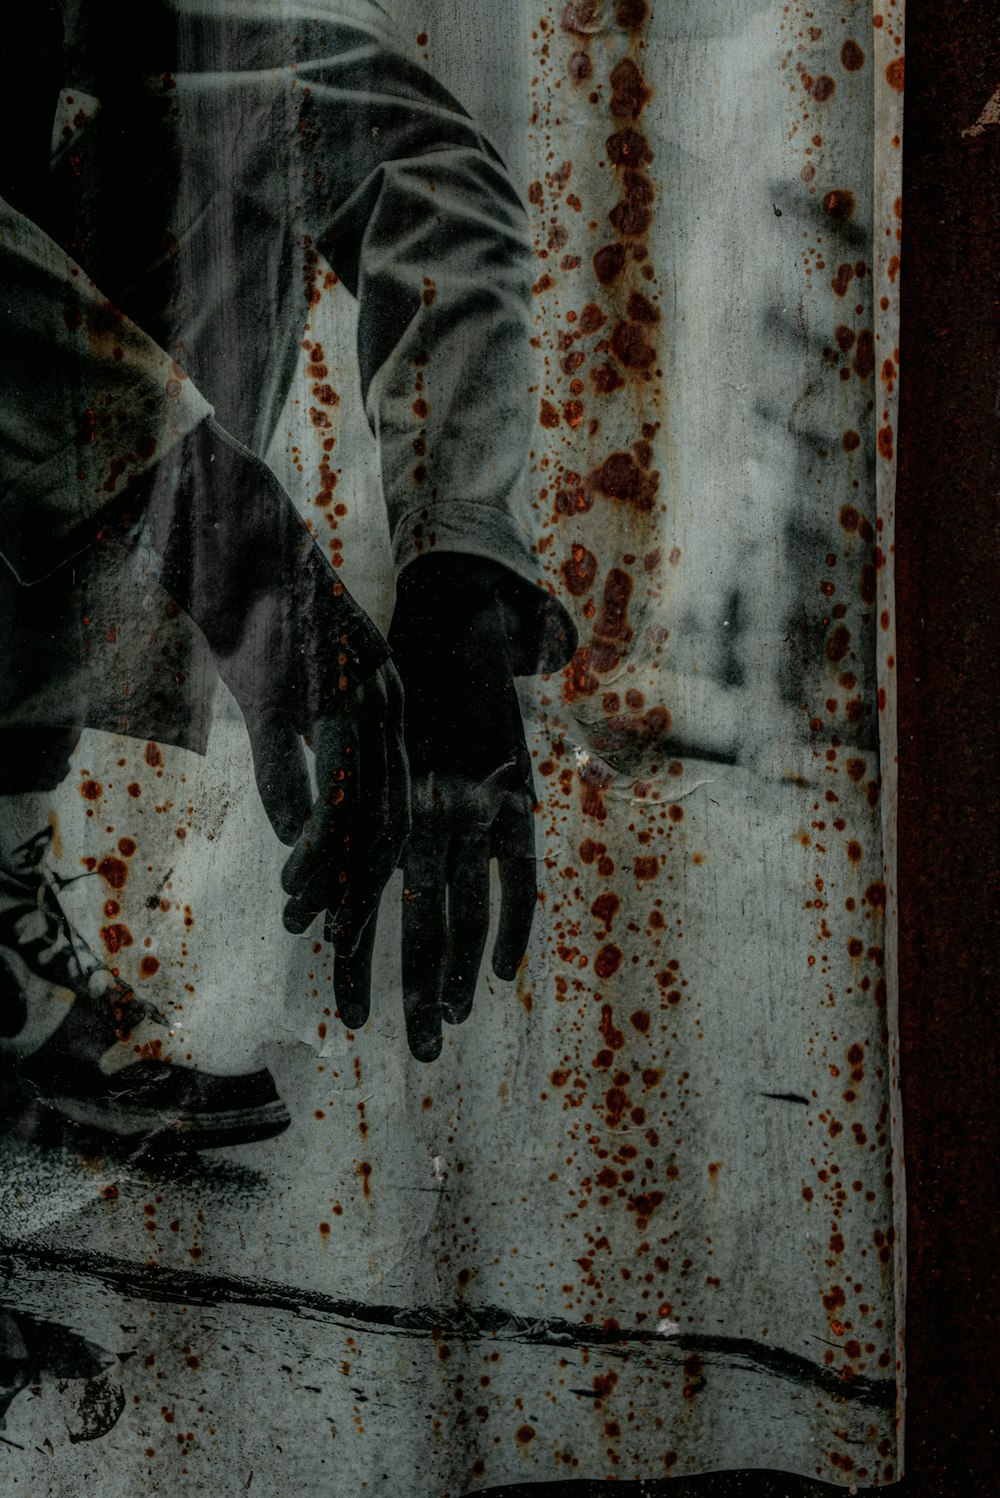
column 148, row 967
column 115, row 937
column 91, row 790
column 153, row 756
column 894, row 74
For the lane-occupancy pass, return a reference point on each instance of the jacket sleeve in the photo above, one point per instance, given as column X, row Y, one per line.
column 88, row 402
column 417, row 215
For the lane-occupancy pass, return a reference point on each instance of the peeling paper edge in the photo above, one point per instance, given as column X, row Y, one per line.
column 887, row 48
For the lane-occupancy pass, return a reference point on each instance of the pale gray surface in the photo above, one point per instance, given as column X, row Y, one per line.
column 497, row 1174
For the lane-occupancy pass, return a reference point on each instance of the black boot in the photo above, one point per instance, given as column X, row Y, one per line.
column 108, row 1065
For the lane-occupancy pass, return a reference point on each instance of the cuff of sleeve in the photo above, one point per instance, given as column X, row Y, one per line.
column 543, row 634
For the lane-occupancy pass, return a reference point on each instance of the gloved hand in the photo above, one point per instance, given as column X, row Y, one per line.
column 463, row 628
column 305, row 664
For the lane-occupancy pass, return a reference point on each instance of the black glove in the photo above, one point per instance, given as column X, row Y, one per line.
column 303, row 661
column 462, row 629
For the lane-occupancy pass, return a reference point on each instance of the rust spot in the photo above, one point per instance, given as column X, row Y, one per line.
column 608, row 961
column 620, row 477
column 116, row 937
column 114, row 871
column 579, row 67
column 153, row 756
column 579, row 16
column 885, row 444
column 641, row 309
column 864, row 355
column 609, row 262
column 628, row 148
column 630, row 13
column 694, row 1373
column 607, row 379
column 894, row 74
column 629, row 93
column 594, row 781
column 91, row 790
column 840, row 204
column 579, row 571
column 851, row 56
column 838, row 644
column 843, row 279
column 629, row 346
column 613, row 1037
column 850, row 441
column 633, row 215
column 148, row 967
column 821, row 88
column 605, row 908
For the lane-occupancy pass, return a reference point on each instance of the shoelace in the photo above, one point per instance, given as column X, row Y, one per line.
column 36, row 927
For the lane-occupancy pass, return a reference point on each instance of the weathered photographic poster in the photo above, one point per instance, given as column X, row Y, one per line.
column 447, row 738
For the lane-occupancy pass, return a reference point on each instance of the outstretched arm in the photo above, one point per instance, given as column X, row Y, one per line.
column 100, row 427
column 430, row 235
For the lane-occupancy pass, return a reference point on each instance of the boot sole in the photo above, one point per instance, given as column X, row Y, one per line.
column 193, row 1130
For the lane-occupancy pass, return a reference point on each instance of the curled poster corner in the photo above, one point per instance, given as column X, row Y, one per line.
column 990, row 115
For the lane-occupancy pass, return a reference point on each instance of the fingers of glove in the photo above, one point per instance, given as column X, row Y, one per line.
column 513, row 846
column 375, row 843
column 397, row 761
column 468, row 923
column 424, row 922
column 282, row 777
column 352, row 979
column 518, row 897
column 513, row 775
column 323, row 850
